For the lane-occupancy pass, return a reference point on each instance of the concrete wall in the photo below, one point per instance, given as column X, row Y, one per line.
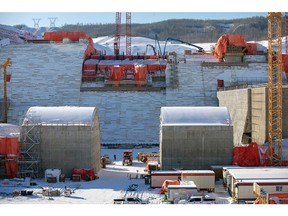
column 50, row 75
column 195, row 147
column 42, row 75
column 239, row 105
column 259, row 110
column 250, row 107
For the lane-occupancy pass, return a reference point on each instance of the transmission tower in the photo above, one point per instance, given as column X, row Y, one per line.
column 52, row 21
column 36, row 22
column 118, row 32
column 128, row 33
column 275, row 87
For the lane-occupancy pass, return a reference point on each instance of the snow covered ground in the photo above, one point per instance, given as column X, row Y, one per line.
column 96, row 197
column 113, row 182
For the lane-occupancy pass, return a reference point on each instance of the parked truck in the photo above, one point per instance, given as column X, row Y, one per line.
column 198, row 200
column 130, row 200
column 151, row 165
column 127, row 158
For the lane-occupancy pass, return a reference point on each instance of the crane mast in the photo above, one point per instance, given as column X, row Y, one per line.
column 275, row 87
column 117, row 34
column 128, row 33
column 7, row 63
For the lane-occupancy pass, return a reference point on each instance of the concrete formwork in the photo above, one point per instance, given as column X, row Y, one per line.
column 238, row 103
column 69, row 144
column 195, row 146
column 249, row 113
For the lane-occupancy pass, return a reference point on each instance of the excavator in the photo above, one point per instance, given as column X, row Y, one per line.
column 200, row 49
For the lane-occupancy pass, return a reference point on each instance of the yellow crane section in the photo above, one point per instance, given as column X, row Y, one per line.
column 4, row 66
column 275, row 87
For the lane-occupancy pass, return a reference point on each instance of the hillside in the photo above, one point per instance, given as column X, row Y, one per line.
column 190, row 30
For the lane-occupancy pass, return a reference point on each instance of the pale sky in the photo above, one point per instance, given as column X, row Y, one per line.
column 62, row 18
column 14, row 12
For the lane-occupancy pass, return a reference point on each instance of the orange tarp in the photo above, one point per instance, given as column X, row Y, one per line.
column 251, row 155
column 221, row 46
column 59, row 36
column 10, row 147
column 224, row 40
column 236, row 40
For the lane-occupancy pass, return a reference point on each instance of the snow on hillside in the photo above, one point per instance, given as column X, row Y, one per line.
column 139, row 45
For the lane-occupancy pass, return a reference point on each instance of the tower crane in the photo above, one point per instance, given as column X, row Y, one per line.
column 118, row 33
column 275, row 87
column 128, row 33
column 4, row 66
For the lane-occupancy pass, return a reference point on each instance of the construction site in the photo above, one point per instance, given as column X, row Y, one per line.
column 207, row 122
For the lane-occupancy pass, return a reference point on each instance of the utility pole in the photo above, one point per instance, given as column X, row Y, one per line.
column 4, row 66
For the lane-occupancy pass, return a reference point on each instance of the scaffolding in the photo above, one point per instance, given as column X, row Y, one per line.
column 29, row 161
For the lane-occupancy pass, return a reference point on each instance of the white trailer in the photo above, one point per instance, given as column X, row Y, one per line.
column 203, row 179
column 158, row 177
column 244, row 189
column 181, row 192
column 240, row 181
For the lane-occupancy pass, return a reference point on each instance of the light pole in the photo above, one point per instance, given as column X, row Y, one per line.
column 4, row 66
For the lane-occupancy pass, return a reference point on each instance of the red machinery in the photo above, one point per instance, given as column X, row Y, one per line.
column 117, row 74
column 140, row 73
column 229, row 43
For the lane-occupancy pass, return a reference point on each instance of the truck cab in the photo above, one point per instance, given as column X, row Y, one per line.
column 127, row 158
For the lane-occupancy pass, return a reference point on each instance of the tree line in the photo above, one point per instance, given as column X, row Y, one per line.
column 189, row 30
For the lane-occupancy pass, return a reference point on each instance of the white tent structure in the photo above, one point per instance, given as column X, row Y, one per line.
column 63, row 137
column 195, row 137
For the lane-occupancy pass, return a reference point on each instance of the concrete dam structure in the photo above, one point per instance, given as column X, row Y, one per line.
column 49, row 74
